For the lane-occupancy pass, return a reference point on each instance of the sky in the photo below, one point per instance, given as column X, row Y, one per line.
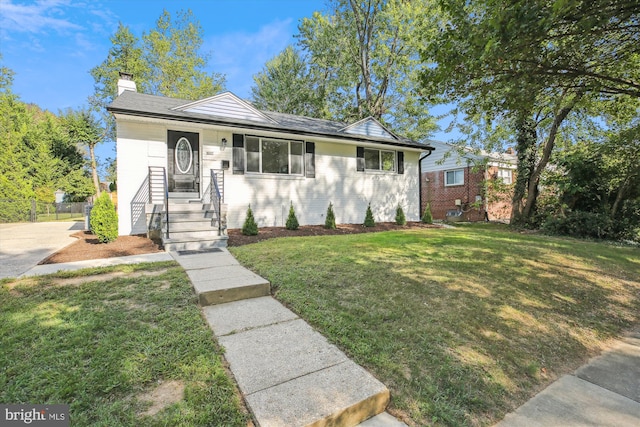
column 52, row 44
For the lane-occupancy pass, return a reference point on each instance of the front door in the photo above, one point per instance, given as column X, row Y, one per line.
column 183, row 171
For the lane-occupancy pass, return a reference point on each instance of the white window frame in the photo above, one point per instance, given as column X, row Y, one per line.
column 260, row 154
column 508, row 178
column 380, row 169
column 446, row 181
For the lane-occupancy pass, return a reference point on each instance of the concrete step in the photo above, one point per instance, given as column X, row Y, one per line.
column 194, row 225
column 194, row 244
column 187, row 207
column 193, row 234
column 289, row 374
column 223, row 284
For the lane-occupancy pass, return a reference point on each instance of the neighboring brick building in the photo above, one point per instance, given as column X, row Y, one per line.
column 476, row 186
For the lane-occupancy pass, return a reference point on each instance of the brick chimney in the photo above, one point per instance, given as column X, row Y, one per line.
column 126, row 83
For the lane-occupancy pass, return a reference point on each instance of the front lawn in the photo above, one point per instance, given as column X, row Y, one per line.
column 123, row 346
column 463, row 325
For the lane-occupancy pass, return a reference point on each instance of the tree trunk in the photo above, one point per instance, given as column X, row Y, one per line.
column 526, row 149
column 94, row 169
column 532, row 190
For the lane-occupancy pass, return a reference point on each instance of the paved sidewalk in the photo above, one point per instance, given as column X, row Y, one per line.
column 23, row 245
column 603, row 393
column 40, row 270
column 288, row 373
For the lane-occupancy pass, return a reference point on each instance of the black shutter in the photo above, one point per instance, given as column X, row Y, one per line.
column 310, row 160
column 360, row 156
column 400, row 162
column 238, row 154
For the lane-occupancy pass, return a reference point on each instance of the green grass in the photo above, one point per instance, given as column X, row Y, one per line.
column 60, row 217
column 463, row 325
column 99, row 339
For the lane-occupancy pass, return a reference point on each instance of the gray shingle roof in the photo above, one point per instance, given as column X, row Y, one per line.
column 143, row 105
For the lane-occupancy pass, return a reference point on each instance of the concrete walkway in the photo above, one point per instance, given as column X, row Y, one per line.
column 603, row 393
column 288, row 373
column 23, row 245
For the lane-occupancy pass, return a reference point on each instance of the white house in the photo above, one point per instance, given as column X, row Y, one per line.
column 184, row 164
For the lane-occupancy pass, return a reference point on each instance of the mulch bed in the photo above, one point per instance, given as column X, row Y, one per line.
column 236, row 238
column 88, row 247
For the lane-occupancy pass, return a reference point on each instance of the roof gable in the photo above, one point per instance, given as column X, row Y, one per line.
column 369, row 127
column 226, row 105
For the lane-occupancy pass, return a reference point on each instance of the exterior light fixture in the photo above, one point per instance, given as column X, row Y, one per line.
column 224, row 144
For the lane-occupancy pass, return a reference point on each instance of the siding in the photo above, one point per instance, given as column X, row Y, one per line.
column 226, row 106
column 369, row 128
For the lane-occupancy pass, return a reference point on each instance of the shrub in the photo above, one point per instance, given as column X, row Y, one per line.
column 250, row 228
column 400, row 218
column 368, row 218
column 581, row 224
column 104, row 220
column 292, row 221
column 330, row 221
column 427, row 218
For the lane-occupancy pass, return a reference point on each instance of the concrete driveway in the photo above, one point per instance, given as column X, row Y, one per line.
column 24, row 245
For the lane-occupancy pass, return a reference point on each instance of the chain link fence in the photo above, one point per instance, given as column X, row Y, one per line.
column 34, row 211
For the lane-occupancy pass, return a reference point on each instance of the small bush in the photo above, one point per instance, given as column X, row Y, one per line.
column 368, row 218
column 330, row 221
column 427, row 218
column 400, row 218
column 104, row 220
column 250, row 228
column 292, row 221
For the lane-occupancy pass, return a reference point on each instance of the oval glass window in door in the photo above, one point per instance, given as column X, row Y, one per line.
column 184, row 155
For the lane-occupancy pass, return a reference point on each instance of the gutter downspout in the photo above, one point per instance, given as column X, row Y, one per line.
column 420, row 181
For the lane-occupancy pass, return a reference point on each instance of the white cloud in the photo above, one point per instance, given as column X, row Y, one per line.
column 240, row 55
column 41, row 17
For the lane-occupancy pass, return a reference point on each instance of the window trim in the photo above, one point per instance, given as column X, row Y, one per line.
column 446, row 184
column 502, row 178
column 394, row 163
column 289, row 156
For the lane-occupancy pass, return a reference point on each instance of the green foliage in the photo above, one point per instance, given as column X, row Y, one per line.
column 330, row 220
column 281, row 77
column 427, row 218
column 176, row 66
column 250, row 228
column 104, row 220
column 400, row 218
column 368, row 218
column 37, row 154
column 292, row 221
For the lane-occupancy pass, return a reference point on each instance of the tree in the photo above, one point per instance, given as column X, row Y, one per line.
column 368, row 217
column 104, row 220
column 330, row 220
column 292, row 220
column 286, row 85
column 125, row 55
column 176, row 67
column 357, row 60
column 250, row 227
column 528, row 65
column 84, row 129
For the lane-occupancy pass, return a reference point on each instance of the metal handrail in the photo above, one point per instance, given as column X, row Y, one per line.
column 155, row 170
column 216, row 199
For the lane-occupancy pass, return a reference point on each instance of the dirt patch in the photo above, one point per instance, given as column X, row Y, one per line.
column 236, row 238
column 89, row 247
column 165, row 394
column 108, row 276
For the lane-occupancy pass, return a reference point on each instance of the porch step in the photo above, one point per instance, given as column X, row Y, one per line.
column 289, row 374
column 194, row 243
column 196, row 206
column 192, row 225
column 175, row 217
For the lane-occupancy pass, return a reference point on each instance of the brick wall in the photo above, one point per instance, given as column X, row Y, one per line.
column 442, row 198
